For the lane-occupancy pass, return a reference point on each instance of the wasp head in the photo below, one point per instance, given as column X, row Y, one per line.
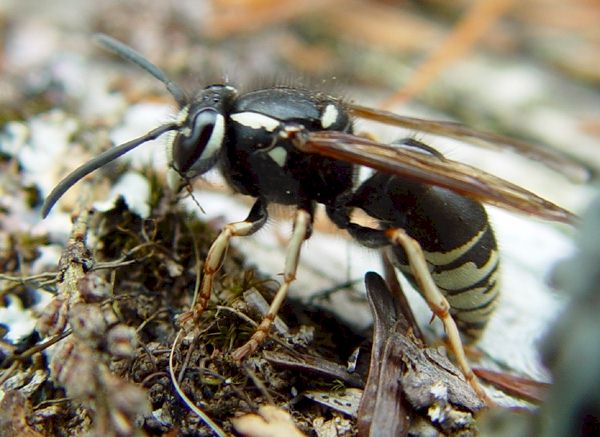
column 195, row 147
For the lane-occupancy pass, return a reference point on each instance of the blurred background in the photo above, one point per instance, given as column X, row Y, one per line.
column 529, row 69
column 500, row 65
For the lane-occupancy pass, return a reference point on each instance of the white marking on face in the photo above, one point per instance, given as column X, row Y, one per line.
column 279, row 155
column 213, row 146
column 329, row 116
column 182, row 115
column 174, row 179
column 254, row 120
column 179, row 119
column 216, row 139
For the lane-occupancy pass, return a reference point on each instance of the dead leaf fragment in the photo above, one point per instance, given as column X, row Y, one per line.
column 269, row 422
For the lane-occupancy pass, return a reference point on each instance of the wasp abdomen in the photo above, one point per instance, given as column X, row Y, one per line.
column 469, row 279
column 455, row 235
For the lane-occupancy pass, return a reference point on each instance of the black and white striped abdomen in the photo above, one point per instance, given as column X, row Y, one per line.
column 468, row 276
column 459, row 246
column 456, row 238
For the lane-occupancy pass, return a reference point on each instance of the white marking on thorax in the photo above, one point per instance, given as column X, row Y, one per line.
column 279, row 155
column 329, row 116
column 254, row 120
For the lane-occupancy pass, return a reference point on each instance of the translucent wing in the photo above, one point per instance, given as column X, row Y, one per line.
column 430, row 169
column 553, row 159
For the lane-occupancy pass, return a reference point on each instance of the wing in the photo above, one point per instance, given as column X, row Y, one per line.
column 553, row 159
column 430, row 169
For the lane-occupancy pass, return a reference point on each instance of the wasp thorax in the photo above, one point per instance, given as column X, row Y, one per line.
column 196, row 144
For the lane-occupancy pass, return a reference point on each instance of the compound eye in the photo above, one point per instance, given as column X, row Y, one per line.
column 196, row 144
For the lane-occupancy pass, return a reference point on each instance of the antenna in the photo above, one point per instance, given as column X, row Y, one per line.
column 99, row 161
column 137, row 58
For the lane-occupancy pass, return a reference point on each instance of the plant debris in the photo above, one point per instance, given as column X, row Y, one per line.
column 121, row 281
column 407, row 379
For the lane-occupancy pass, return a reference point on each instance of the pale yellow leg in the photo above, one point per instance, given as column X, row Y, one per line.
column 302, row 223
column 214, row 259
column 436, row 301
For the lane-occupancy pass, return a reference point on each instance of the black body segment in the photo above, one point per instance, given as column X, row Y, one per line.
column 259, row 162
column 456, row 238
column 297, row 147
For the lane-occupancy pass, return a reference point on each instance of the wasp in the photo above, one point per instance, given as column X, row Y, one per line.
column 298, row 147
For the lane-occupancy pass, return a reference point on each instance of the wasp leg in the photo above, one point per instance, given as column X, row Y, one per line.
column 302, row 228
column 256, row 219
column 436, row 301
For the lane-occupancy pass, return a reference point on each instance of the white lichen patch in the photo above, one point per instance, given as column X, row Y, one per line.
column 439, row 391
column 135, row 191
column 21, row 320
column 47, row 149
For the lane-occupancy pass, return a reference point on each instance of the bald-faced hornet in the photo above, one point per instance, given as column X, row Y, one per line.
column 297, row 147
